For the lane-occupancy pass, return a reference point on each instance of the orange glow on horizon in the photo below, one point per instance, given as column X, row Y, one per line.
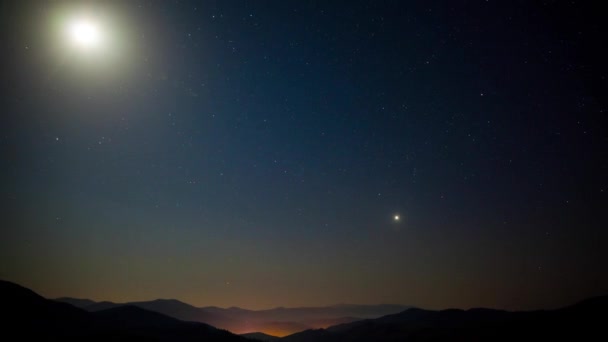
column 273, row 331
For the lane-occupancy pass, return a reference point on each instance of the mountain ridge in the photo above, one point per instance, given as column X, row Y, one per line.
column 333, row 306
column 32, row 316
column 280, row 321
column 579, row 321
column 27, row 315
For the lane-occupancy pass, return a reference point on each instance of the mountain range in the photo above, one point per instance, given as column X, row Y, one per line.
column 26, row 315
column 584, row 321
column 276, row 322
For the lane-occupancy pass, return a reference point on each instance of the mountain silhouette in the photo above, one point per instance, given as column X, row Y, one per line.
column 275, row 322
column 26, row 315
column 258, row 336
column 582, row 321
column 79, row 303
column 30, row 316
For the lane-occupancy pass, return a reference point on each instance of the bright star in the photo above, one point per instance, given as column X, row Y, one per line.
column 396, row 217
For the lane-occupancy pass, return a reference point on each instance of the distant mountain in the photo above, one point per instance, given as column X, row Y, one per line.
column 169, row 307
column 583, row 321
column 181, row 310
column 285, row 321
column 328, row 322
column 27, row 315
column 143, row 322
column 317, row 335
column 101, row 306
column 303, row 314
column 79, row 303
column 277, row 322
column 258, row 336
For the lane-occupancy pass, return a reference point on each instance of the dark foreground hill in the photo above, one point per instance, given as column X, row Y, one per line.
column 26, row 315
column 579, row 322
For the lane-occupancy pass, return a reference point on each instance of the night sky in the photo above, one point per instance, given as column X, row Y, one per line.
column 255, row 153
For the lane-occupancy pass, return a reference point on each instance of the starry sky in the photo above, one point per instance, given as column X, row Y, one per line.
column 255, row 153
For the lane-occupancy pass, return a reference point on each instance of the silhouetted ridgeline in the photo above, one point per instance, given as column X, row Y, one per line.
column 27, row 315
column 278, row 321
column 258, row 336
column 583, row 321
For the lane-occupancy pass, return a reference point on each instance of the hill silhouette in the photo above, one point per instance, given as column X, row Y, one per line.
column 276, row 322
column 582, row 321
column 258, row 336
column 30, row 316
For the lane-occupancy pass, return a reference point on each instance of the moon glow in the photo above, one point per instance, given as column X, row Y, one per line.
column 85, row 34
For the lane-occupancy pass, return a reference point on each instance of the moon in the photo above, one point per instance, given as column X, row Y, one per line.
column 85, row 34
column 396, row 218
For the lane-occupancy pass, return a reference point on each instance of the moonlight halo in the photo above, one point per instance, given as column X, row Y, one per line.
column 85, row 33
